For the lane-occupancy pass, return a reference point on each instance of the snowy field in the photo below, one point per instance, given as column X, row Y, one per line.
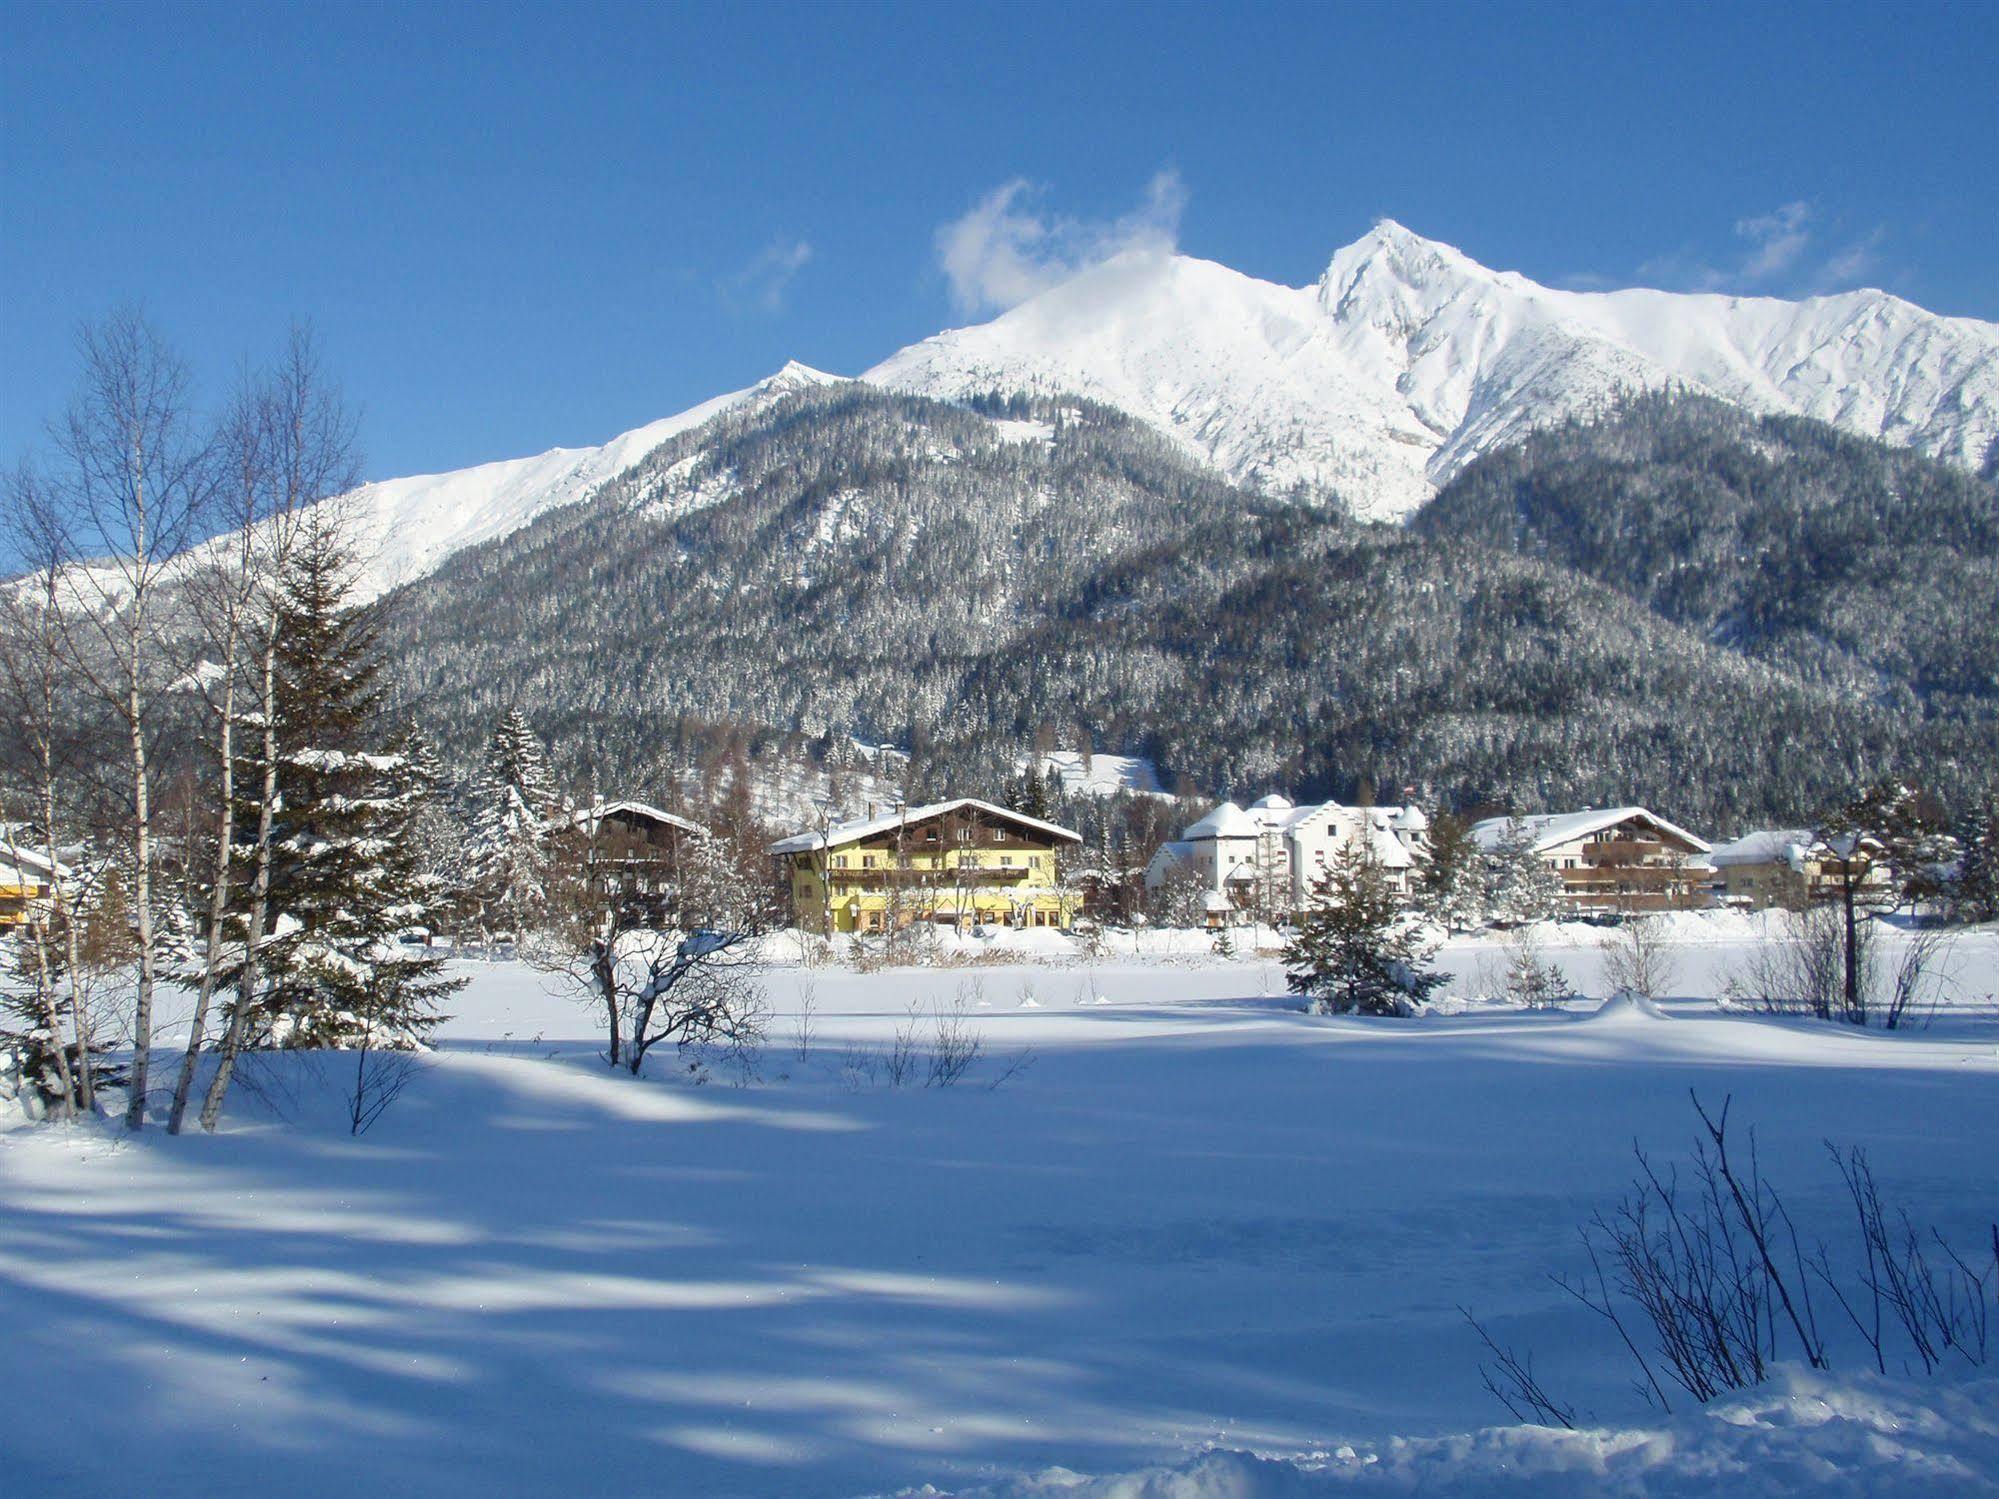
column 1168, row 1227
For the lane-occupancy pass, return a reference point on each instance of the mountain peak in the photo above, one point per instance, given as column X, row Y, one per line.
column 796, row 376
column 1394, row 255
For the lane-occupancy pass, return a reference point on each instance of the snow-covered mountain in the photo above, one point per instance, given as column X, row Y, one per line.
column 1408, row 359
column 1403, row 363
column 413, row 524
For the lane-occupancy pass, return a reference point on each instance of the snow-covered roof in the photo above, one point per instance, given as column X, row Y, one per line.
column 1272, row 803
column 589, row 817
column 18, row 859
column 1766, row 846
column 1552, row 829
column 1226, row 821
column 853, row 832
column 1410, row 820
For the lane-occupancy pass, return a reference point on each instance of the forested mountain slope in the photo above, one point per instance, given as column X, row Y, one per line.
column 846, row 560
column 1862, row 566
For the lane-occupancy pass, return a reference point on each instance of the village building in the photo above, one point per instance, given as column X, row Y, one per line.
column 1262, row 861
column 1788, row 866
column 27, row 878
column 1617, row 860
column 627, row 846
column 960, row 863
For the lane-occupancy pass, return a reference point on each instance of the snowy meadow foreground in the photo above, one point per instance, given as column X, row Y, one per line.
column 1165, row 1221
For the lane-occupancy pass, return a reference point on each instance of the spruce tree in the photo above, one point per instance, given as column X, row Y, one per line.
column 513, row 802
column 1353, row 950
column 1451, row 886
column 345, row 880
column 1520, row 887
column 1976, row 892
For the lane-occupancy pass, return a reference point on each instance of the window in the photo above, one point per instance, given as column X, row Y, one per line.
column 999, row 835
column 867, row 861
column 964, row 835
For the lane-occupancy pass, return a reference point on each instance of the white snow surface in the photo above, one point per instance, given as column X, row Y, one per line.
column 1100, row 775
column 1408, row 359
column 1200, row 1246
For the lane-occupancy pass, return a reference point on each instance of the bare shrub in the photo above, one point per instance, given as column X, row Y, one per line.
column 803, row 1025
column 955, row 1045
column 1916, row 976
column 1941, row 1308
column 1802, row 971
column 1511, row 1380
column 1016, row 1064
column 1638, row 958
column 905, row 1051
column 380, row 1076
column 1711, row 1266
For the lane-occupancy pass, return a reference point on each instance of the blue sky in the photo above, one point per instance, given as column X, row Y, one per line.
column 522, row 226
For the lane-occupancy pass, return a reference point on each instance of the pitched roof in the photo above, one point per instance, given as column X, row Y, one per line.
column 1550, row 829
column 592, row 815
column 1765, row 846
column 853, row 832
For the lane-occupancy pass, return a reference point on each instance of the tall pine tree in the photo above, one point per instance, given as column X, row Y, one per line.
column 513, row 802
column 346, row 881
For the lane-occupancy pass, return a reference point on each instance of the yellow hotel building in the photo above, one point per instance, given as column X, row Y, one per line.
column 963, row 862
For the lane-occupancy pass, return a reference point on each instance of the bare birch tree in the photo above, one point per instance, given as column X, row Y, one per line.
column 132, row 490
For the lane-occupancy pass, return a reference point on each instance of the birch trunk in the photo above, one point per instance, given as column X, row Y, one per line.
column 260, row 891
column 218, row 901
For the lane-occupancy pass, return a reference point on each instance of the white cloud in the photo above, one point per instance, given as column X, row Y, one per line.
column 1854, row 264
column 1007, row 248
column 1779, row 240
column 768, row 276
column 1785, row 255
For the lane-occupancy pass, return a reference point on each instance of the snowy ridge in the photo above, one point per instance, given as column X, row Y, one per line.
column 1408, row 359
column 415, row 523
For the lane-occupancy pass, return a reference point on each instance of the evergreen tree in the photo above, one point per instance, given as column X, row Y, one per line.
column 1976, row 890
column 1353, row 949
column 436, row 836
column 1451, row 886
column 1519, row 885
column 345, row 879
column 1100, row 876
column 1028, row 792
column 512, row 804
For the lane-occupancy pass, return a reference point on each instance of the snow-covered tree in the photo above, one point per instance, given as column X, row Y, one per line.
column 345, row 883
column 1353, row 949
column 436, row 837
column 1179, row 899
column 1975, row 892
column 1099, row 876
column 512, row 803
column 1451, row 884
column 1519, row 885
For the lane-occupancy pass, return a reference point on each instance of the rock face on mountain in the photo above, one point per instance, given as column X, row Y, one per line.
column 1409, row 359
